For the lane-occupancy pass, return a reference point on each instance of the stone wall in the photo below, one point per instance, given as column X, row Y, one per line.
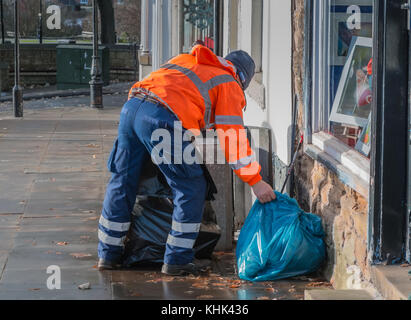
column 123, row 66
column 345, row 220
column 38, row 63
column 318, row 190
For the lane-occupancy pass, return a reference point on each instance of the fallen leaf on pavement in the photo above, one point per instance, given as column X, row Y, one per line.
column 62, row 243
column 154, row 280
column 220, row 253
column 235, row 286
column 205, row 297
column 405, row 265
column 214, row 275
column 200, row 285
column 218, row 284
column 135, row 294
column 34, row 289
column 91, row 219
column 319, row 284
column 168, row 279
column 263, row 298
column 270, row 290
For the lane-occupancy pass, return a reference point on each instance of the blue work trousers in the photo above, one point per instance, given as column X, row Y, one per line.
column 139, row 119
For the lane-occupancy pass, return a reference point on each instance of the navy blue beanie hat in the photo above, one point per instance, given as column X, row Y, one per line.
column 245, row 66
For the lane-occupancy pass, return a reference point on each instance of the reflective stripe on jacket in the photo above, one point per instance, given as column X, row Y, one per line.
column 202, row 90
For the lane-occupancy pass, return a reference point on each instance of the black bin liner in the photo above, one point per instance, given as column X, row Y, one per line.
column 151, row 223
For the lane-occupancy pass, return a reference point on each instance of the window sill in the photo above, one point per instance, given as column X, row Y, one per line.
column 256, row 90
column 351, row 167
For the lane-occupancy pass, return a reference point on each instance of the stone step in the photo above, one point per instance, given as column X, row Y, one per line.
column 330, row 294
column 393, row 281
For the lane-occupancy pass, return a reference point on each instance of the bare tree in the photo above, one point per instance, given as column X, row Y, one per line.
column 127, row 17
column 108, row 31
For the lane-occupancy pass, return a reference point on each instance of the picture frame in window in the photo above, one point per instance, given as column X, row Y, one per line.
column 352, row 103
column 364, row 141
column 341, row 36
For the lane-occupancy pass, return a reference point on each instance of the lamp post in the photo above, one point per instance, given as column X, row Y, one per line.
column 96, row 84
column 2, row 21
column 40, row 26
column 17, row 90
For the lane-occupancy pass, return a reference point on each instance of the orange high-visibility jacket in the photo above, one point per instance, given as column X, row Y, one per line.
column 202, row 91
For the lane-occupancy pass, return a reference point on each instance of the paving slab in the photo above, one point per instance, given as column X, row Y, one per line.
column 393, row 281
column 14, row 192
column 324, row 294
column 66, row 242
column 53, row 207
column 9, row 227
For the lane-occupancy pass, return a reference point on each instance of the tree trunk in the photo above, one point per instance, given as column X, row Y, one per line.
column 108, row 32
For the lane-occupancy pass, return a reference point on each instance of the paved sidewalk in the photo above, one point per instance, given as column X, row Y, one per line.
column 52, row 182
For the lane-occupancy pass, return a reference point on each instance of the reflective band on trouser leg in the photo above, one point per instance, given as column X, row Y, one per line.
column 244, row 162
column 105, row 238
column 181, row 242
column 203, row 87
column 188, row 206
column 186, row 227
column 114, row 226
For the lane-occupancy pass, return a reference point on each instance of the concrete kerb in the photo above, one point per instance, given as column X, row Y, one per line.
column 112, row 89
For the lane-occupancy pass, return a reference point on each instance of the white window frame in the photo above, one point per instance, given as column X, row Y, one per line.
column 351, row 166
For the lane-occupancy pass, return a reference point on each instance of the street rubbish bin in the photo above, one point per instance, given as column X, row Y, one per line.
column 74, row 64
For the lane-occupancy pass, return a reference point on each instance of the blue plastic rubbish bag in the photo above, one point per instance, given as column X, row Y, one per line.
column 279, row 240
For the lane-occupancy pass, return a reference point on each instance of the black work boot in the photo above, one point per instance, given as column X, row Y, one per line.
column 107, row 265
column 194, row 268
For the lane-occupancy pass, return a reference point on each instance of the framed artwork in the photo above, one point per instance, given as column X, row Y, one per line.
column 352, row 103
column 364, row 142
column 342, row 36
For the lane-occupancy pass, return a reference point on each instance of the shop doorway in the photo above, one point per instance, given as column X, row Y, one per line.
column 390, row 179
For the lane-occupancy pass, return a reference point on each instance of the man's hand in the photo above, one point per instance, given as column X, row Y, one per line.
column 264, row 192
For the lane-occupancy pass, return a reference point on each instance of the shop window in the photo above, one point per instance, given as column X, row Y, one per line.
column 342, row 71
column 341, row 97
column 198, row 23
